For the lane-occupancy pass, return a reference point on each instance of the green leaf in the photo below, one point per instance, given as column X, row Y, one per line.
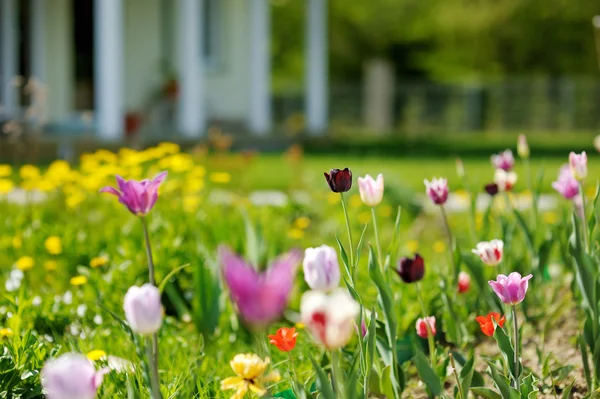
column 387, row 385
column 173, row 272
column 529, row 389
column 252, row 241
column 287, row 394
column 485, row 393
column 359, row 246
column 507, row 351
column 567, row 392
column 528, row 235
column 371, row 340
column 345, row 260
column 428, row 376
column 585, row 361
column 323, row 384
column 393, row 247
column 466, row 374
column 587, row 270
column 506, row 390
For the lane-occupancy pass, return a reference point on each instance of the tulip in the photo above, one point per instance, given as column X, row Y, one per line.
column 143, row 309
column 597, row 143
column 460, row 168
column 321, row 268
column 260, row 297
column 138, row 196
column 578, row 164
column 464, row 282
column 329, row 318
column 486, row 323
column 371, row 191
column 71, row 376
column 284, row 339
column 411, row 270
column 566, row 184
column 522, row 147
column 512, row 289
column 491, row 189
column 490, row 252
column 437, row 190
column 505, row 180
column 339, row 181
column 503, row 160
column 421, row 326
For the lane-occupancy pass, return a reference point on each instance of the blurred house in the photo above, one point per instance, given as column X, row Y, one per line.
column 170, row 66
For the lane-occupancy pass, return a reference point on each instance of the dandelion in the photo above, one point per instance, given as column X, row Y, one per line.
column 220, row 177
column 439, row 246
column 50, row 265
column 96, row 354
column 295, row 233
column 302, row 223
column 6, row 186
column 98, row 261
column 78, row 280
column 5, row 170
column 53, row 245
column 25, row 263
column 6, row 332
column 17, row 242
column 250, row 372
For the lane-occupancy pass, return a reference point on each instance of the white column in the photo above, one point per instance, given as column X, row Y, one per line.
column 108, row 83
column 38, row 37
column 260, row 67
column 316, row 103
column 191, row 63
column 9, row 55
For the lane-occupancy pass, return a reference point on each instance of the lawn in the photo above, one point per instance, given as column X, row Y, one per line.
column 68, row 261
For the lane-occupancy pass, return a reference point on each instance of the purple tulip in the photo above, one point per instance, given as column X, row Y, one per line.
column 321, row 268
column 71, row 376
column 138, row 196
column 260, row 297
column 512, row 289
column 503, row 160
column 566, row 184
column 437, row 190
column 578, row 164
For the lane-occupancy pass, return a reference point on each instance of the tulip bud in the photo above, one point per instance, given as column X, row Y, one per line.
column 371, row 191
column 437, row 190
column 421, row 326
column 491, row 189
column 578, row 164
column 143, row 309
column 411, row 270
column 339, row 181
column 460, row 168
column 522, row 147
column 71, row 376
column 321, row 268
column 597, row 143
column 464, row 282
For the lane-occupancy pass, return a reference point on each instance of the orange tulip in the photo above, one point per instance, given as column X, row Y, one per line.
column 487, row 322
column 284, row 339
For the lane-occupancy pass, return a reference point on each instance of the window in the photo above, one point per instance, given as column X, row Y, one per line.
column 211, row 45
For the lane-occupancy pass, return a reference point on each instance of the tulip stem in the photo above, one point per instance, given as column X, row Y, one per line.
column 154, row 379
column 450, row 243
column 584, row 222
column 377, row 239
column 351, row 249
column 154, row 358
column 293, row 368
column 430, row 338
column 460, row 387
column 516, row 348
column 530, row 184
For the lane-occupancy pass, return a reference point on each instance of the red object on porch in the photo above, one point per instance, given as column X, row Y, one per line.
column 133, row 122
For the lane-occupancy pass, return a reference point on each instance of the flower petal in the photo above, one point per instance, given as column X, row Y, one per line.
column 232, row 383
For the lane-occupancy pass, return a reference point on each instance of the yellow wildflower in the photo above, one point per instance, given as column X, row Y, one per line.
column 249, row 370
column 549, row 217
column 193, row 185
column 333, row 198
column 364, row 217
column 29, row 172
column 168, row 148
column 191, row 203
column 25, row 263
column 300, row 326
column 355, row 201
column 17, row 242
column 439, row 246
column 5, row 170
column 590, row 192
column 385, row 211
column 6, row 186
column 302, row 222
column 220, row 177
column 6, row 332
column 50, row 265
column 295, row 233
column 53, row 245
column 74, row 199
column 96, row 354
column 412, row 245
column 78, row 280
column 98, row 261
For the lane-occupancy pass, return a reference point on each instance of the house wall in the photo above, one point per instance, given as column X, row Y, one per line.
column 59, row 64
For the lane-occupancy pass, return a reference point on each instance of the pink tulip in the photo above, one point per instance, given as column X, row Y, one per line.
column 464, row 282
column 143, row 309
column 578, row 164
column 503, row 160
column 422, row 326
column 71, row 376
column 512, row 289
column 566, row 184
column 437, row 190
column 371, row 190
column 138, row 196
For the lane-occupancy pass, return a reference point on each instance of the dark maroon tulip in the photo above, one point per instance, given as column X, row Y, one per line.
column 411, row 270
column 339, row 181
column 491, row 189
